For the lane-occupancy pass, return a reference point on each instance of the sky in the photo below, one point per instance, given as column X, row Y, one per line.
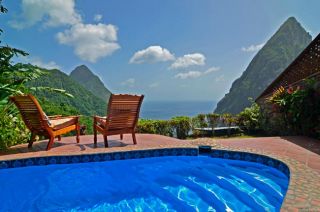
column 166, row 49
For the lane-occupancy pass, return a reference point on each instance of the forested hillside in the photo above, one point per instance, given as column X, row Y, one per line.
column 83, row 101
column 83, row 75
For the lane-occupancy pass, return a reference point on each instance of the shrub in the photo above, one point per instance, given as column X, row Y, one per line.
column 229, row 120
column 299, row 107
column 161, row 127
column 164, row 127
column 13, row 79
column 199, row 121
column 249, row 118
column 182, row 126
column 212, row 119
column 12, row 130
column 146, row 126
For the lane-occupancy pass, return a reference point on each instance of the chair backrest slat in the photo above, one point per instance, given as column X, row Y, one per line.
column 31, row 112
column 123, row 111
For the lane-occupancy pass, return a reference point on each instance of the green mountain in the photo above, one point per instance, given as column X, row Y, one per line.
column 84, row 101
column 282, row 48
column 91, row 82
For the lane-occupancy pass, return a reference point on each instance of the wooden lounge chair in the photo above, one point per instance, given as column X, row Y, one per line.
column 39, row 124
column 122, row 117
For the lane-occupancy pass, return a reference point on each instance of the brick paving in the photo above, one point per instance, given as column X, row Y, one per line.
column 301, row 154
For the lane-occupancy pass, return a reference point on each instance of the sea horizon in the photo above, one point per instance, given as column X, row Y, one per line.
column 166, row 109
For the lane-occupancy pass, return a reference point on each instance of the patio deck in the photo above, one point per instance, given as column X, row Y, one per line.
column 301, row 154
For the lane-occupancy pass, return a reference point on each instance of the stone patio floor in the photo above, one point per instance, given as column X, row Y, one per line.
column 301, row 154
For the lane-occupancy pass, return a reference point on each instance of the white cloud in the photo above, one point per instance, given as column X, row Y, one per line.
column 152, row 54
column 90, row 41
column 97, row 17
column 190, row 74
column 154, row 85
column 196, row 74
column 252, row 48
column 51, row 12
column 220, row 78
column 47, row 65
column 129, row 82
column 188, row 60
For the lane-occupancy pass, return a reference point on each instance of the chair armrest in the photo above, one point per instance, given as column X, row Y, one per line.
column 99, row 119
column 55, row 116
column 63, row 117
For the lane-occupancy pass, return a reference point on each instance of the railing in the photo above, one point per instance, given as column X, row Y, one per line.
column 306, row 65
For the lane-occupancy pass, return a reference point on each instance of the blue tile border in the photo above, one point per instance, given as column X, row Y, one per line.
column 136, row 154
column 251, row 157
column 97, row 157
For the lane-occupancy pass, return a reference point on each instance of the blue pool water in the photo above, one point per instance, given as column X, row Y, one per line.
column 173, row 183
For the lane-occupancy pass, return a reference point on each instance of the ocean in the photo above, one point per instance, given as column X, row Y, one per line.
column 168, row 109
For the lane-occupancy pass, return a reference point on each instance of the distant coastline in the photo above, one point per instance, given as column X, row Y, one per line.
column 168, row 109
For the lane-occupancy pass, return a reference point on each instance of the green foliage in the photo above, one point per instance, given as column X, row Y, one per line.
column 13, row 80
column 161, row 127
column 182, row 126
column 282, row 48
column 299, row 107
column 51, row 109
column 212, row 119
column 164, row 127
column 249, row 118
column 229, row 120
column 12, row 129
column 2, row 8
column 199, row 121
column 87, row 103
column 146, row 126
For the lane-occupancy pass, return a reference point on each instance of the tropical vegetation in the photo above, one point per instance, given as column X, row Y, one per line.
column 298, row 108
column 13, row 81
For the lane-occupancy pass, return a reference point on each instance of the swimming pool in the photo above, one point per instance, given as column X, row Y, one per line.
column 169, row 183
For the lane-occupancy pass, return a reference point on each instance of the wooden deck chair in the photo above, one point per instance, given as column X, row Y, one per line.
column 122, row 117
column 40, row 124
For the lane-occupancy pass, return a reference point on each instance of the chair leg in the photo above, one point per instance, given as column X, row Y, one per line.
column 105, row 138
column 78, row 133
column 51, row 140
column 95, row 135
column 32, row 138
column 134, row 138
column 121, row 136
column 59, row 137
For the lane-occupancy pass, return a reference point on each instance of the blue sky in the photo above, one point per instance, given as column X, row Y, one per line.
column 165, row 49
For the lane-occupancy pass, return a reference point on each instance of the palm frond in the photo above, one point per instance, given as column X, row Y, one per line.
column 57, row 90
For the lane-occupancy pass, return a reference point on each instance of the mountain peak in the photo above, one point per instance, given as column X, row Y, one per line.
column 292, row 24
column 291, row 19
column 83, row 75
column 280, row 50
column 81, row 69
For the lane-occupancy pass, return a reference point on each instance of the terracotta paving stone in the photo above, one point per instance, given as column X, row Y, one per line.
column 301, row 154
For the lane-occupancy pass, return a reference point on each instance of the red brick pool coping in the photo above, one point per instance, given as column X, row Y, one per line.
column 301, row 154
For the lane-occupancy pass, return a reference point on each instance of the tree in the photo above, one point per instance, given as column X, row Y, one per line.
column 13, row 79
column 212, row 119
column 228, row 119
